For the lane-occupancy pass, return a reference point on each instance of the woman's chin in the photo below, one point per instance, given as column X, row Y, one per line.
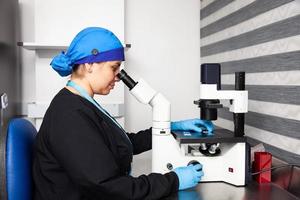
column 105, row 92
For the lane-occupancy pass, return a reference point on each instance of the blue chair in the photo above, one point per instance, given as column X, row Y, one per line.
column 16, row 160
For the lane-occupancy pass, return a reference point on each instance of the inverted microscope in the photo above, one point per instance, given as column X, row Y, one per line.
column 224, row 155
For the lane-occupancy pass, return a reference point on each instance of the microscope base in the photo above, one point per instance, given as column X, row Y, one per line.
column 230, row 166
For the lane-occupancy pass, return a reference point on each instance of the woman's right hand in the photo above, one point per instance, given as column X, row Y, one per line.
column 189, row 176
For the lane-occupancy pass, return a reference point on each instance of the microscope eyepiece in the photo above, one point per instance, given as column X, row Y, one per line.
column 128, row 81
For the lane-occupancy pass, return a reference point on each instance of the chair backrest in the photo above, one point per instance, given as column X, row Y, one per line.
column 16, row 160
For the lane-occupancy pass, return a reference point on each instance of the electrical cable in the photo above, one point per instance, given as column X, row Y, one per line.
column 277, row 167
column 290, row 179
column 280, row 166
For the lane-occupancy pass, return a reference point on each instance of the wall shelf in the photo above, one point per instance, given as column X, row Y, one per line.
column 41, row 46
column 44, row 46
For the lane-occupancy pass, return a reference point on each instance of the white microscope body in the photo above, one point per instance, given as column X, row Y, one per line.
column 169, row 151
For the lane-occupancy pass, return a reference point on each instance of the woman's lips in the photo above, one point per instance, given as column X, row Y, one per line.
column 112, row 86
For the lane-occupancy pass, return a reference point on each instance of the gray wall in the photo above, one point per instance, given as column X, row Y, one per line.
column 261, row 38
column 9, row 65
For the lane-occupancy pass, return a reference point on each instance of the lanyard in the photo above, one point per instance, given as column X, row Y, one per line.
column 84, row 94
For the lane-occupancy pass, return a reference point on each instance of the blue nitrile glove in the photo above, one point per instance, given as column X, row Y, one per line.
column 189, row 176
column 196, row 125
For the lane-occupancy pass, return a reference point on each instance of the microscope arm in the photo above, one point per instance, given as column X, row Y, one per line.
column 239, row 97
column 160, row 105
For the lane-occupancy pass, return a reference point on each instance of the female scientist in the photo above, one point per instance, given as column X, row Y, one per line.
column 81, row 152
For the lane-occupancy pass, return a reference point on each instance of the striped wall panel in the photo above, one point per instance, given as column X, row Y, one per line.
column 281, row 126
column 261, row 38
column 249, row 11
column 278, row 30
column 276, row 62
column 213, row 7
column 278, row 94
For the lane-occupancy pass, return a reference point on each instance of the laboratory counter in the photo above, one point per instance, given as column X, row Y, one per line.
column 284, row 186
column 224, row 191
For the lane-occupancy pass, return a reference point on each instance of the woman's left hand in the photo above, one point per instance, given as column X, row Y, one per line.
column 196, row 125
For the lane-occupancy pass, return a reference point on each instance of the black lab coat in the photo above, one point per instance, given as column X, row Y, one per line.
column 80, row 154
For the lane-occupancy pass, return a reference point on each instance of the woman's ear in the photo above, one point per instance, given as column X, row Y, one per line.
column 88, row 67
column 79, row 71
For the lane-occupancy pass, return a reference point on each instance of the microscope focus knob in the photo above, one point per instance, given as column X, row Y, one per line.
column 194, row 162
column 169, row 166
column 213, row 148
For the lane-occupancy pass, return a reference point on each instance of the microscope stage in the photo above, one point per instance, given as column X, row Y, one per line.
column 219, row 136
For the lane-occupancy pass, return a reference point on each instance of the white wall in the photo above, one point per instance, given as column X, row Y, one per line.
column 27, row 57
column 166, row 53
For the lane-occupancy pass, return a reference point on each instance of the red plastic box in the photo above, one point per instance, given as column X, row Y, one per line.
column 262, row 161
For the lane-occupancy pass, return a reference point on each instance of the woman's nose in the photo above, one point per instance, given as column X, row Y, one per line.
column 117, row 79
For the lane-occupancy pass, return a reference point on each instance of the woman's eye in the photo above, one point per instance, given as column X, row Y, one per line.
column 115, row 68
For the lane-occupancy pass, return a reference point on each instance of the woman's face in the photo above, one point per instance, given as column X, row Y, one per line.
column 104, row 76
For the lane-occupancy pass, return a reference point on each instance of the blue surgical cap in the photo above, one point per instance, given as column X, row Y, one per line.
column 93, row 44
